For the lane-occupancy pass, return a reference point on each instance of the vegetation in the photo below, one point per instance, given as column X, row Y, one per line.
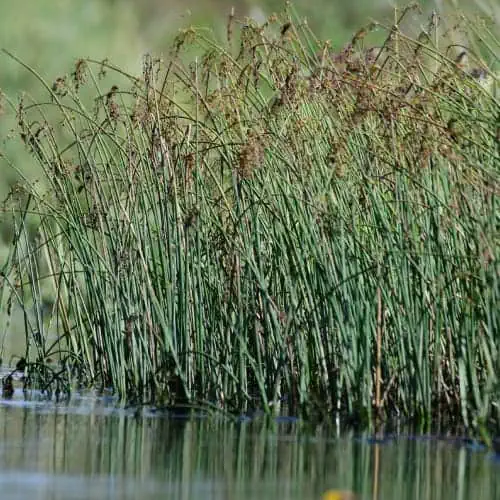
column 271, row 223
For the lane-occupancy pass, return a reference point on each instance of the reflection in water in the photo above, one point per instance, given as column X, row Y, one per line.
column 90, row 449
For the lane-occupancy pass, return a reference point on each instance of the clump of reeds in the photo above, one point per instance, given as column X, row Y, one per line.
column 276, row 221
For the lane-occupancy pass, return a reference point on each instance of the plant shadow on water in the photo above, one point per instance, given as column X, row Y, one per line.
column 92, row 448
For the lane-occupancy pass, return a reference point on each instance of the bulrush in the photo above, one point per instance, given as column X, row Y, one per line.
column 249, row 240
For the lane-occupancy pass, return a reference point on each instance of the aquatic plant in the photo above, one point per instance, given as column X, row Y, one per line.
column 274, row 222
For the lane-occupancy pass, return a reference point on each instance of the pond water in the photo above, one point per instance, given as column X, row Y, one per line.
column 90, row 449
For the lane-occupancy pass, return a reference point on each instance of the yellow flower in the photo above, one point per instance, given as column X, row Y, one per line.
column 338, row 495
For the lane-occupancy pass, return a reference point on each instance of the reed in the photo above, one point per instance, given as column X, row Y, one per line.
column 270, row 223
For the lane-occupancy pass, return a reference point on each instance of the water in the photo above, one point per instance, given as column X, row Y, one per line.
column 90, row 449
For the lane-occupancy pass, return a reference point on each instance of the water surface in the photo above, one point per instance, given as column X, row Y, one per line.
column 90, row 449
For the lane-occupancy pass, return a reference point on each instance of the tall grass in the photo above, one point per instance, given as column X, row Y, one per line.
column 271, row 223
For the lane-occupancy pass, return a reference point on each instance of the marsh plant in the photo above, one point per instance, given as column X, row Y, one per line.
column 273, row 222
